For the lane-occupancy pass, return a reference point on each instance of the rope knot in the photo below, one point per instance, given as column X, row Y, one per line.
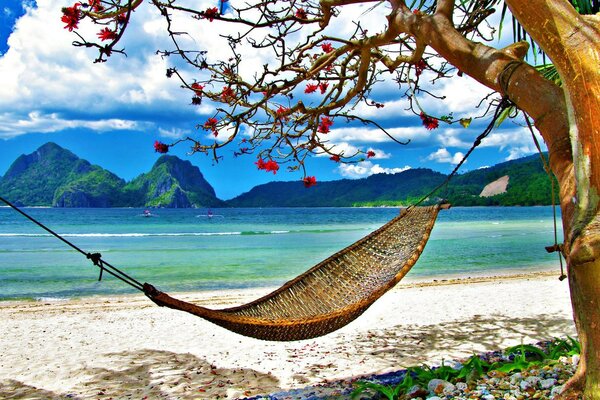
column 96, row 258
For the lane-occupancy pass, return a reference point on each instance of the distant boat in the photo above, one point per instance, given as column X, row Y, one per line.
column 209, row 214
column 147, row 214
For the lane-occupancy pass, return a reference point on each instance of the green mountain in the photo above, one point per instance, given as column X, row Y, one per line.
column 53, row 176
column 374, row 190
column 174, row 183
column 527, row 184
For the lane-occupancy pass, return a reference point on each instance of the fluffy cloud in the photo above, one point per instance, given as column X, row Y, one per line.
column 443, row 156
column 46, row 123
column 366, row 168
column 42, row 73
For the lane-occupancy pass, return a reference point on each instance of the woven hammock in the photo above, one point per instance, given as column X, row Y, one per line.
column 332, row 293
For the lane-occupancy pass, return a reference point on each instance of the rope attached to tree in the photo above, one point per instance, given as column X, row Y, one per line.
column 504, row 104
column 556, row 247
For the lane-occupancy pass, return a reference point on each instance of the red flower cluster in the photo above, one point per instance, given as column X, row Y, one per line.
column 160, row 147
column 323, row 87
column 197, row 88
column 301, row 13
column 121, row 18
column 71, row 17
column 96, row 5
column 370, row 154
column 325, row 124
column 211, row 125
column 420, row 67
column 309, row 181
column 428, row 122
column 227, row 94
column 327, row 47
column 107, row 34
column 281, row 113
column 335, row 158
column 210, row 13
column 311, row 88
column 269, row 166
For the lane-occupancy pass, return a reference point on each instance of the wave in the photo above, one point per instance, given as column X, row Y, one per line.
column 160, row 234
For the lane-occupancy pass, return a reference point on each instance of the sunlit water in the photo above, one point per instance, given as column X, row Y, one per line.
column 186, row 250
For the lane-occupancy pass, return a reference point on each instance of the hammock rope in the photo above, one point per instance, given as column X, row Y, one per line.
column 96, row 258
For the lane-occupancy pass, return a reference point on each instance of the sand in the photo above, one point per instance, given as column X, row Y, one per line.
column 126, row 347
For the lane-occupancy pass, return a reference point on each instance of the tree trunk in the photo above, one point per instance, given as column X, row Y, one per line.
column 572, row 43
column 568, row 118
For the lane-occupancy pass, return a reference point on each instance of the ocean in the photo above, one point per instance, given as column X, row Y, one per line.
column 182, row 250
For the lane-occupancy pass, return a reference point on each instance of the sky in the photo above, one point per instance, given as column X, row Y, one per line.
column 111, row 113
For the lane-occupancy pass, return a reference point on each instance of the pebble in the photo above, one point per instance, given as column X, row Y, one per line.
column 535, row 383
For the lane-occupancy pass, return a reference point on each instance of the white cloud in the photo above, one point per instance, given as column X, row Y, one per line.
column 46, row 123
column 173, row 133
column 366, row 168
column 379, row 154
column 444, row 156
column 42, row 73
column 374, row 135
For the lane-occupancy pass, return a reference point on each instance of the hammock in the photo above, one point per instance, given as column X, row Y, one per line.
column 331, row 294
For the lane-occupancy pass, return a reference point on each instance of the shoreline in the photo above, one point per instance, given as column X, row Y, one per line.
column 120, row 346
column 408, row 281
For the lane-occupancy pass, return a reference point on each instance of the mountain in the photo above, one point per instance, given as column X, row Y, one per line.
column 173, row 183
column 528, row 184
column 398, row 188
column 517, row 182
column 53, row 176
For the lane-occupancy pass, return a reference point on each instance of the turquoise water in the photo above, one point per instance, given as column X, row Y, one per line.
column 184, row 250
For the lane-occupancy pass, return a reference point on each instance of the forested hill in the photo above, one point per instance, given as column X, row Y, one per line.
column 518, row 182
column 53, row 176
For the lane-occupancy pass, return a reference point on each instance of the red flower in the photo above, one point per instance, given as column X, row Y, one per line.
column 325, row 124
column 96, row 5
column 323, row 87
column 71, row 17
column 269, row 166
column 309, row 181
column 107, row 34
column 370, row 154
column 428, row 122
column 327, row 47
column 160, row 147
column 281, row 113
column 197, row 88
column 311, row 88
column 301, row 13
column 227, row 94
column 210, row 124
column 210, row 13
column 335, row 158
column 420, row 67
column 121, row 18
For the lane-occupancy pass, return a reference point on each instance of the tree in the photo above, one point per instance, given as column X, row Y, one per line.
column 442, row 37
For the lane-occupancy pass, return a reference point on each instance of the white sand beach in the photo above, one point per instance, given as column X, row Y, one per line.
column 126, row 347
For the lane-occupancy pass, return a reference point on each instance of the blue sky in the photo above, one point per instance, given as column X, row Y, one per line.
column 111, row 113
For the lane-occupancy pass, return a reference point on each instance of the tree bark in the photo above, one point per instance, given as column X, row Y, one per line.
column 569, row 121
column 572, row 43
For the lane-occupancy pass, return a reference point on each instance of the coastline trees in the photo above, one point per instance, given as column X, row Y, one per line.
column 262, row 109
